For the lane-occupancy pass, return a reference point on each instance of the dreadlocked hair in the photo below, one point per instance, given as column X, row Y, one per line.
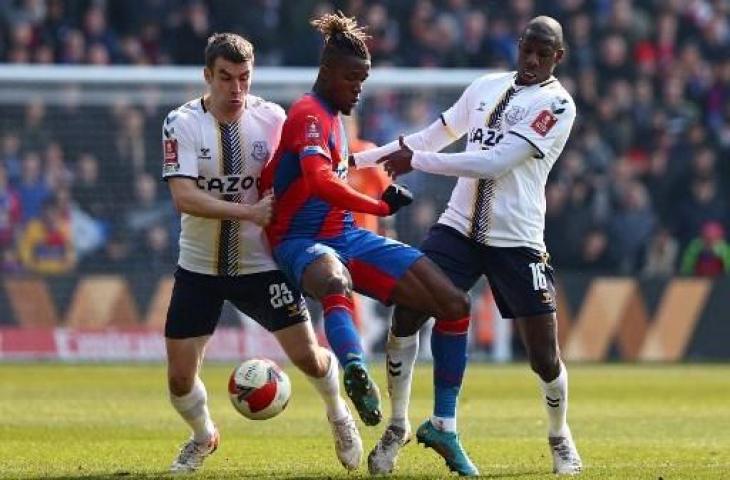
column 341, row 35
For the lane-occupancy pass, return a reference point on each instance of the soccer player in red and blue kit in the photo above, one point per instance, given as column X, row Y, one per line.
column 313, row 236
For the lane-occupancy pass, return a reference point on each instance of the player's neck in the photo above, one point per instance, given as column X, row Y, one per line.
column 320, row 92
column 221, row 114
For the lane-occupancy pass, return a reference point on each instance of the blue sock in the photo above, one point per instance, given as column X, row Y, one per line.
column 448, row 346
column 340, row 329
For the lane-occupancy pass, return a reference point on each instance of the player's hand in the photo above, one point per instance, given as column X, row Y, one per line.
column 260, row 212
column 396, row 196
column 398, row 162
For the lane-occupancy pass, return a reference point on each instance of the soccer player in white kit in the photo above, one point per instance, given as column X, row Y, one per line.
column 214, row 149
column 517, row 124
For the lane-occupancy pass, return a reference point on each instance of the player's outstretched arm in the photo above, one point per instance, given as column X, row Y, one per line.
column 492, row 163
column 324, row 183
column 190, row 199
column 433, row 138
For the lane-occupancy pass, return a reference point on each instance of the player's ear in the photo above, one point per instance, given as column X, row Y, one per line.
column 325, row 71
column 559, row 55
column 208, row 75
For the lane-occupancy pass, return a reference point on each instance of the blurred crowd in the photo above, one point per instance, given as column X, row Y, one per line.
column 643, row 186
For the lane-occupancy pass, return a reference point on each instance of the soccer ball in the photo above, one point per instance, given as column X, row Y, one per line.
column 259, row 389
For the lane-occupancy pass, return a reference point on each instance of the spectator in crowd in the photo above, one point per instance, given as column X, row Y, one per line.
column 156, row 255
column 660, row 259
column 595, row 256
column 147, row 209
column 707, row 255
column 630, row 228
column 46, row 246
column 88, row 190
column 10, row 156
column 704, row 204
column 10, row 214
column 32, row 189
column 191, row 35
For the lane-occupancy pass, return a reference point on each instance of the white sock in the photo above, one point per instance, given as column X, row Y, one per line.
column 329, row 389
column 401, row 355
column 444, row 424
column 193, row 408
column 556, row 403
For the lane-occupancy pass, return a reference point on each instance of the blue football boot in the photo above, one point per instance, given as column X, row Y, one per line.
column 447, row 445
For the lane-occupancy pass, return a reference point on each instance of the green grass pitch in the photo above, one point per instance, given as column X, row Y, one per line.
column 114, row 422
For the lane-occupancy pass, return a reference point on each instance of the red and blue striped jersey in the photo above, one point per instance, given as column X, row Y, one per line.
column 313, row 138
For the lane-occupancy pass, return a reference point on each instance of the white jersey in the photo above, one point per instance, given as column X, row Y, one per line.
column 225, row 160
column 508, row 211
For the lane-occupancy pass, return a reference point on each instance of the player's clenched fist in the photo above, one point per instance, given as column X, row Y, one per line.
column 261, row 211
column 396, row 196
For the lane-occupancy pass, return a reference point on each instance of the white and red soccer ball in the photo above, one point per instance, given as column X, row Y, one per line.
column 259, row 389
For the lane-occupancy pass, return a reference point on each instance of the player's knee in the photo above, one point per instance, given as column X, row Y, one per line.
column 180, row 384
column 545, row 363
column 338, row 284
column 456, row 307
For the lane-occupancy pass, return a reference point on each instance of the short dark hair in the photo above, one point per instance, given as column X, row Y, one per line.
column 230, row 46
column 341, row 36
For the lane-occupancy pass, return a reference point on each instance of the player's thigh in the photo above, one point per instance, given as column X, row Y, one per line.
column 313, row 266
column 269, row 298
column 522, row 281
column 456, row 255
column 195, row 305
column 378, row 263
column 326, row 275
column 440, row 281
column 300, row 345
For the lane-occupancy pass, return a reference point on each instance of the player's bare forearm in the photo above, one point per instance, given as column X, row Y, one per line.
column 190, row 199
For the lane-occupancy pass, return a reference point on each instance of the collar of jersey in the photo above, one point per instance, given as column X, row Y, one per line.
column 547, row 81
column 327, row 105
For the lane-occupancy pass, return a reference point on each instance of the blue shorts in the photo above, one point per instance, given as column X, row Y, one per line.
column 375, row 263
column 520, row 277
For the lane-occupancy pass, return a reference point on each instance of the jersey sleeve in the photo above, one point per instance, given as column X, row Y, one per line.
column 547, row 121
column 178, row 147
column 311, row 134
column 456, row 118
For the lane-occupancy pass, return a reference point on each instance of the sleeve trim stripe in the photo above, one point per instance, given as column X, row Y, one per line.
column 312, row 150
column 539, row 155
column 178, row 175
column 450, row 131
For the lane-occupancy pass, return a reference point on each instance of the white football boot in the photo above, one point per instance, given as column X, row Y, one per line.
column 192, row 454
column 383, row 457
column 348, row 443
column 566, row 460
